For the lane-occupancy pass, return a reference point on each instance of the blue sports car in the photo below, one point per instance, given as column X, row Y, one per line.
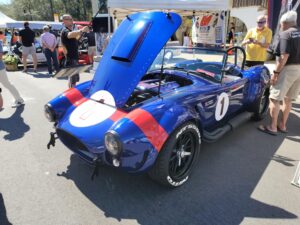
column 149, row 107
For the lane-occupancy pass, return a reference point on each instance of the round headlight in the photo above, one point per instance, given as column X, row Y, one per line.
column 49, row 113
column 112, row 143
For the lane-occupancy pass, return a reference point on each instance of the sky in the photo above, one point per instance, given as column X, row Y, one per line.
column 4, row 1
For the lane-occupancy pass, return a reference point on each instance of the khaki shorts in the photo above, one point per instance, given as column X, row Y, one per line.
column 288, row 84
column 92, row 50
column 28, row 50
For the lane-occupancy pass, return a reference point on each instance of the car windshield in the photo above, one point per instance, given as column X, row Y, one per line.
column 200, row 62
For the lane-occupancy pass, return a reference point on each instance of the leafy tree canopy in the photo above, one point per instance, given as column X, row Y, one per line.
column 44, row 9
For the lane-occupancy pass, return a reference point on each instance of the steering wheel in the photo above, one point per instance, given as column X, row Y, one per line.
column 212, row 68
column 232, row 70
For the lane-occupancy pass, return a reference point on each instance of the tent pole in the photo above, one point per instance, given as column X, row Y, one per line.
column 227, row 18
column 109, row 24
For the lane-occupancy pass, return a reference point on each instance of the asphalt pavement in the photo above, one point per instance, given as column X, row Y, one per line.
column 243, row 178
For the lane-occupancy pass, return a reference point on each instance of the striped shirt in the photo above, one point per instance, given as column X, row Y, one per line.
column 48, row 40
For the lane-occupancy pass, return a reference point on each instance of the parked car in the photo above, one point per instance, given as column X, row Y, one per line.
column 17, row 50
column 82, row 53
column 145, row 111
column 37, row 27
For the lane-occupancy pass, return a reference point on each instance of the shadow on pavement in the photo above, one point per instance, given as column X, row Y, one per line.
column 295, row 139
column 296, row 107
column 61, row 78
column 3, row 217
column 40, row 75
column 14, row 125
column 218, row 192
column 283, row 160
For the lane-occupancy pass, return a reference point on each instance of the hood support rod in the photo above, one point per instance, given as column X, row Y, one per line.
column 161, row 71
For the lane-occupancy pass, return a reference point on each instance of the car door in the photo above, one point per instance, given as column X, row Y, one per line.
column 226, row 98
column 233, row 80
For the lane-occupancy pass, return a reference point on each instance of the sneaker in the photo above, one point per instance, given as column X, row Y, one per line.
column 35, row 71
column 24, row 71
column 18, row 103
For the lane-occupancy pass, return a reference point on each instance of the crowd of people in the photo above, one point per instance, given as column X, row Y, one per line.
column 285, row 79
column 70, row 39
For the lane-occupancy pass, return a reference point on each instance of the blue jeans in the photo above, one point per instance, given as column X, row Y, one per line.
column 51, row 57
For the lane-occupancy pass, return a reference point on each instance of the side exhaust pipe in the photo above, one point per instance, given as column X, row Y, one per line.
column 232, row 124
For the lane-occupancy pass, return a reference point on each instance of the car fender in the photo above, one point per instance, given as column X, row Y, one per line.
column 259, row 78
column 144, row 131
column 60, row 104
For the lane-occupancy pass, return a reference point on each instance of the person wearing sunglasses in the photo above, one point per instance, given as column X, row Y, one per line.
column 285, row 78
column 69, row 38
column 256, row 42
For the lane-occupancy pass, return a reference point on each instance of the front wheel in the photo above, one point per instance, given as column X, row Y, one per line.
column 178, row 156
column 62, row 62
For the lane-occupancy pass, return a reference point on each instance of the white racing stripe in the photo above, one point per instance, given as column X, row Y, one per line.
column 91, row 112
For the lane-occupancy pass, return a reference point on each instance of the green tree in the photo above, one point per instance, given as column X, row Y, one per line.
column 44, row 9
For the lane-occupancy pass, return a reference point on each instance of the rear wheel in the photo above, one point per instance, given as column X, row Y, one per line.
column 261, row 105
column 178, row 156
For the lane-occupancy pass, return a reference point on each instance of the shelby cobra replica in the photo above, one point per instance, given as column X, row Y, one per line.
column 148, row 107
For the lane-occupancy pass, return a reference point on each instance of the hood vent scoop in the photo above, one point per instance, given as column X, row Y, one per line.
column 133, row 37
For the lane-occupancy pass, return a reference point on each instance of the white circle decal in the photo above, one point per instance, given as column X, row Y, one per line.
column 222, row 106
column 94, row 111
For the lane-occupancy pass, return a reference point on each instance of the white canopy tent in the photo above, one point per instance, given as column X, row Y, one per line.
column 121, row 8
column 4, row 19
column 34, row 24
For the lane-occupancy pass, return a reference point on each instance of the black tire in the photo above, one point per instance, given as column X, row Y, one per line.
column 261, row 105
column 62, row 62
column 178, row 156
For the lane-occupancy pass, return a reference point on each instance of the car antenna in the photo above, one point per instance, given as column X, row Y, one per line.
column 161, row 71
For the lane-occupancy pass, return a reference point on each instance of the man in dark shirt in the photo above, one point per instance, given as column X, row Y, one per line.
column 285, row 80
column 26, row 37
column 91, row 44
column 69, row 39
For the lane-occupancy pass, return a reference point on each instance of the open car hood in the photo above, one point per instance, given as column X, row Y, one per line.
column 131, row 51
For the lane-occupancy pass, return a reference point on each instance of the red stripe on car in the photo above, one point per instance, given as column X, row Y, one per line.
column 75, row 96
column 155, row 133
column 118, row 115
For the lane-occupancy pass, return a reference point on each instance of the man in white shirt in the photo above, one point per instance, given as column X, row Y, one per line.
column 48, row 42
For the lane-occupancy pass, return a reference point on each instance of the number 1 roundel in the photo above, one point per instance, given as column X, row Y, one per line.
column 222, row 106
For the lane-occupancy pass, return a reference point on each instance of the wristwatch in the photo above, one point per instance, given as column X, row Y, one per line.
column 276, row 72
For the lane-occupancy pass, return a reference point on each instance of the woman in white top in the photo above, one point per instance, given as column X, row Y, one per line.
column 186, row 40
